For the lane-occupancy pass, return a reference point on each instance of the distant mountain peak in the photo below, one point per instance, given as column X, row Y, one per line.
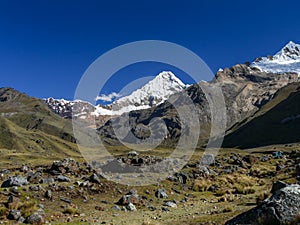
column 290, row 51
column 153, row 93
column 156, row 91
column 286, row 60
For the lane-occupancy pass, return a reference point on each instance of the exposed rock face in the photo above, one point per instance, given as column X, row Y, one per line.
column 245, row 91
column 64, row 108
column 281, row 208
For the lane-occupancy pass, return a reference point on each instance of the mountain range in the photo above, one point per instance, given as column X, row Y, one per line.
column 261, row 102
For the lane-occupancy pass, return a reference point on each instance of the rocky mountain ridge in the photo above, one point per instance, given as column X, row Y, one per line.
column 246, row 90
column 152, row 93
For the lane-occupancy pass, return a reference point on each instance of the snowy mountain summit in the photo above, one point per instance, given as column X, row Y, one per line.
column 286, row 60
column 153, row 93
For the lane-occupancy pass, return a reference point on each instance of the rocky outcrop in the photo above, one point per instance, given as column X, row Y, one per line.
column 282, row 207
column 14, row 181
column 246, row 89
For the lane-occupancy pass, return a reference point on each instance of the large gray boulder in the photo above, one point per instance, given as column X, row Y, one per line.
column 130, row 197
column 15, row 181
column 67, row 165
column 282, row 207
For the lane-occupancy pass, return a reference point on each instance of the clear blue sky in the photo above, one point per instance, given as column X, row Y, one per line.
column 45, row 46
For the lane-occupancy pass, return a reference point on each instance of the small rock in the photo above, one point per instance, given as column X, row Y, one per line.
column 164, row 209
column 94, row 179
column 279, row 167
column 131, row 207
column 24, row 169
column 47, row 180
column 182, row 177
column 117, row 208
column 36, row 218
column 67, row 165
column 21, row 219
column 264, row 158
column 35, row 188
column 14, row 214
column 161, row 193
column 35, row 178
column 132, row 154
column 62, row 178
column 170, row 204
column 66, row 200
column 208, row 159
column 14, row 190
column 130, row 197
column 40, row 206
column 15, row 181
column 203, row 170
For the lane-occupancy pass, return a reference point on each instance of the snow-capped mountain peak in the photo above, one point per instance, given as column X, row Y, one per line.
column 289, row 52
column 286, row 60
column 153, row 93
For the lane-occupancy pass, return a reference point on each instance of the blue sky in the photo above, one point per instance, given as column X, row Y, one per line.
column 45, row 46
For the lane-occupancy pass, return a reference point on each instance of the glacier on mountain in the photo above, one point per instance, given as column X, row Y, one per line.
column 286, row 60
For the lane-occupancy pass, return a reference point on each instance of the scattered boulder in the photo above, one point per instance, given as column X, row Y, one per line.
column 37, row 218
column 15, row 181
column 48, row 194
column 34, row 178
column 161, row 193
column 24, row 169
column 118, row 166
column 279, row 167
column 14, row 190
column 132, row 154
column 264, row 158
column 14, row 214
column 116, row 207
column 69, row 201
column 230, row 169
column 208, row 159
column 182, row 177
column 131, row 207
column 281, row 208
column 203, row 170
column 130, row 197
column 36, row 188
column 164, row 209
column 67, row 165
column 170, row 204
column 62, row 178
column 94, row 179
column 47, row 180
